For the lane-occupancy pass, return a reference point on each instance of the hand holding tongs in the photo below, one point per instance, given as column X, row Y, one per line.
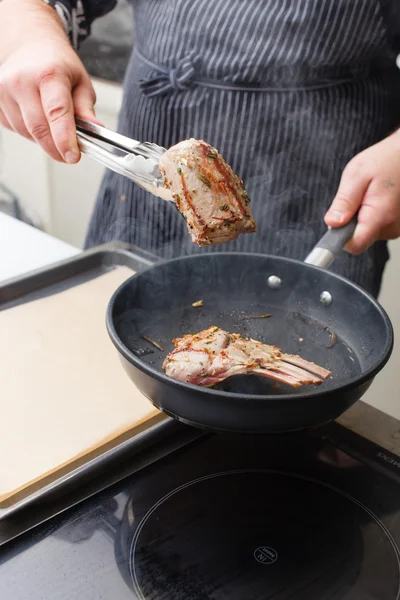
column 136, row 160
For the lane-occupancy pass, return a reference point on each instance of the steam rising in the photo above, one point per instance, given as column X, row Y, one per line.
column 289, row 145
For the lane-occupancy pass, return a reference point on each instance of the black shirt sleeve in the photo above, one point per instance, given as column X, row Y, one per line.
column 78, row 15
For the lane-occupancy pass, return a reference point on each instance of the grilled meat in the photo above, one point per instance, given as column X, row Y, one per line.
column 214, row 355
column 207, row 192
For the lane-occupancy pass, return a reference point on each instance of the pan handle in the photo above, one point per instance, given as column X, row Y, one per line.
column 331, row 245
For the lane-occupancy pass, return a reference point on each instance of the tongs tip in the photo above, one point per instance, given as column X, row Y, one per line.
column 136, row 160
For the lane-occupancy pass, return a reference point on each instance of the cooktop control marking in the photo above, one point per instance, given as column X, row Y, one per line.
column 265, row 555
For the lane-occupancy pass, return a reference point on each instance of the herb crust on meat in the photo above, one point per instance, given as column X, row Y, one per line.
column 207, row 192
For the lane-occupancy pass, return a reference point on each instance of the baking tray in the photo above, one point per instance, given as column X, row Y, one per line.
column 72, row 271
column 118, row 462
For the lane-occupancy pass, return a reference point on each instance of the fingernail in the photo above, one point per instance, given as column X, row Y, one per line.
column 71, row 157
column 336, row 215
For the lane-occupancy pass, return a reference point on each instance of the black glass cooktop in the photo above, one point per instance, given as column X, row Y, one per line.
column 226, row 518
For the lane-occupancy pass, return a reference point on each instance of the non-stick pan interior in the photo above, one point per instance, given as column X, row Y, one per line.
column 350, row 337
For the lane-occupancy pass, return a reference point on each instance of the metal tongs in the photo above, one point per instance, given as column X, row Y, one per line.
column 136, row 160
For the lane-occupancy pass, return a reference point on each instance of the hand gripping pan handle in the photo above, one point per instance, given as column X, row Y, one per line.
column 331, row 245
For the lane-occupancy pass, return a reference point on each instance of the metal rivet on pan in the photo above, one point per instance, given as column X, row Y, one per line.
column 325, row 298
column 274, row 282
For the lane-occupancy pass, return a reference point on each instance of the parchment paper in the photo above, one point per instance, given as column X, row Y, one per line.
column 64, row 395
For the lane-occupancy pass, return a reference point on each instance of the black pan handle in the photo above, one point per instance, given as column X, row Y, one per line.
column 331, row 245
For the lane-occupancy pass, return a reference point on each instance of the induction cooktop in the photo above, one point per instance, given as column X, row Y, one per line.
column 305, row 516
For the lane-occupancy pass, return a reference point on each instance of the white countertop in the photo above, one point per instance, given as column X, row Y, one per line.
column 24, row 248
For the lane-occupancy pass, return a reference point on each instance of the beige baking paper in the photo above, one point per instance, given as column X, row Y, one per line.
column 64, row 395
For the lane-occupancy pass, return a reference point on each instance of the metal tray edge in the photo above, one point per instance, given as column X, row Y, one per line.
column 16, row 287
column 58, row 271
column 100, row 461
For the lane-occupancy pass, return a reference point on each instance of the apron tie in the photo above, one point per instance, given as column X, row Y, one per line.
column 179, row 78
column 183, row 77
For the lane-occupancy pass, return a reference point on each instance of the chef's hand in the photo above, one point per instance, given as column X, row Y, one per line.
column 370, row 182
column 42, row 80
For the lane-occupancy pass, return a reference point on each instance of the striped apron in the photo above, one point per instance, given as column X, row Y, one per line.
column 287, row 90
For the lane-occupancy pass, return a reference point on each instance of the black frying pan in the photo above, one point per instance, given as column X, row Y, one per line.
column 157, row 303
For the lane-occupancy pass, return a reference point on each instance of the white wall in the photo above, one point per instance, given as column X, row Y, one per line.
column 62, row 197
column 385, row 392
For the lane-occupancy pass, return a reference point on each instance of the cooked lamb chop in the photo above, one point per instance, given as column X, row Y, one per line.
column 214, row 355
column 207, row 192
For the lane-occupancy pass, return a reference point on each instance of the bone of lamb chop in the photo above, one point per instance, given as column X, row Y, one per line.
column 207, row 192
column 213, row 355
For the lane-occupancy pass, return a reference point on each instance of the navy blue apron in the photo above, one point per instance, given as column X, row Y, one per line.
column 287, row 90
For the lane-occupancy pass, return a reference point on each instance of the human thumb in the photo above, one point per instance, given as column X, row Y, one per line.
column 348, row 198
column 84, row 98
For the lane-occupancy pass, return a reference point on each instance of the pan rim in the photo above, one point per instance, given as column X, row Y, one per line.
column 354, row 382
